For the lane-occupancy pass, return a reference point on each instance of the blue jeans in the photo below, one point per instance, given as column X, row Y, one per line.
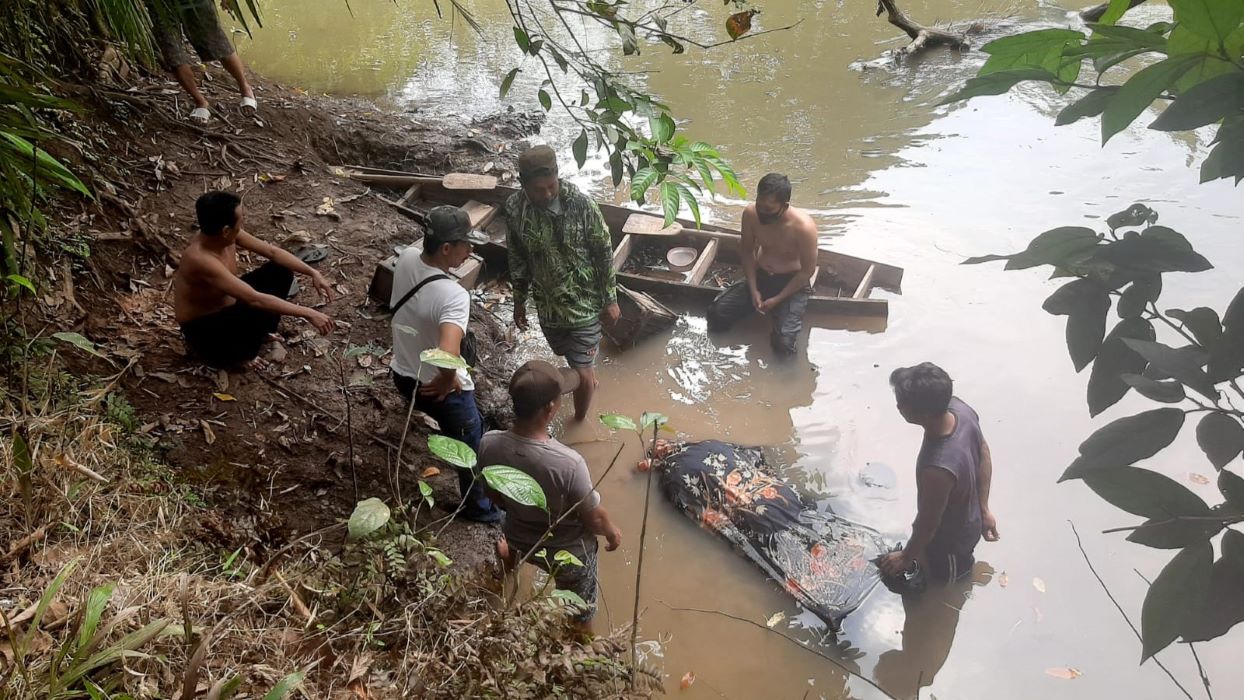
column 459, row 419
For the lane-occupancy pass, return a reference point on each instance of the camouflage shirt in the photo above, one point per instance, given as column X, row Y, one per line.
column 564, row 261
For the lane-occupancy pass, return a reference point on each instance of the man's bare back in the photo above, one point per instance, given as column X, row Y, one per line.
column 193, row 292
column 782, row 243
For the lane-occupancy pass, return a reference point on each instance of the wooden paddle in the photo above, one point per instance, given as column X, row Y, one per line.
column 646, row 225
column 452, row 181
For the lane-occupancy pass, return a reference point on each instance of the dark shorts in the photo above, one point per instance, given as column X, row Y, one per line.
column 580, row 580
column 949, row 567
column 578, row 345
column 198, row 21
column 235, row 334
column 735, row 304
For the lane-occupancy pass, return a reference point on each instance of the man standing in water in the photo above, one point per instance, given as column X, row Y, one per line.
column 953, row 475
column 226, row 319
column 561, row 254
column 779, row 257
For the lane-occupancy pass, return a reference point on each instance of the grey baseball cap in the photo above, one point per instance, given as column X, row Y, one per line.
column 449, row 224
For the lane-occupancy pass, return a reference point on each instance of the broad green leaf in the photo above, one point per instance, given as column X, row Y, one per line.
column 567, row 559
column 1146, row 493
column 1224, row 606
column 1226, row 358
column 692, row 204
column 1156, row 249
column 49, row 168
column 78, row 341
column 1106, row 384
column 1091, row 105
column 545, row 100
column 1125, row 441
column 445, row 360
column 368, row 516
column 1114, row 11
column 643, row 179
column 615, row 168
column 509, row 81
column 579, row 147
column 1221, row 438
column 1085, row 303
column 1212, row 19
column 569, row 598
column 1042, row 48
column 516, row 486
column 1232, row 488
column 1203, row 104
column 285, row 686
column 1140, row 91
column 1128, row 37
column 651, row 418
column 1226, row 159
column 1178, row 364
column 662, row 128
column 440, row 557
column 999, row 83
column 1136, row 298
column 1205, row 54
column 1064, row 246
column 521, row 38
column 669, row 201
column 456, row 452
column 1202, row 322
column 1175, row 597
column 616, row 421
column 1164, row 533
column 1162, row 392
column 23, row 282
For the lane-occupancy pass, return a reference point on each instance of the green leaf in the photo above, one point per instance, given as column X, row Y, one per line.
column 1183, row 366
column 1127, row 440
column 425, row 490
column 662, row 127
column 1042, row 48
column 20, row 281
column 616, row 421
column 1203, row 104
column 1224, row 606
column 78, row 341
column 567, row 559
column 651, row 418
column 1091, row 105
column 1226, row 358
column 1138, row 295
column 25, row 463
column 615, row 168
column 643, row 179
column 545, row 101
column 1175, row 597
column 579, row 147
column 285, row 686
column 1115, row 10
column 1146, row 493
column 440, row 557
column 669, row 201
column 1115, row 359
column 456, row 452
column 1202, row 322
column 509, row 81
column 516, row 486
column 50, row 169
column 521, row 38
column 1232, row 488
column 569, row 598
column 1140, row 91
column 1063, row 247
column 440, row 358
column 1212, row 19
column 1156, row 249
column 999, row 83
column 1162, row 392
column 96, row 603
column 692, row 204
column 1221, row 438
column 1085, row 303
column 1164, row 533
column 368, row 516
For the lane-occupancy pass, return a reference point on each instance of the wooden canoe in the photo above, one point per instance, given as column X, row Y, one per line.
column 842, row 284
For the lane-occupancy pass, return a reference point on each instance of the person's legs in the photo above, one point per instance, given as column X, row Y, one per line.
column 230, row 337
column 733, row 304
column 788, row 321
column 233, row 64
column 583, row 395
column 579, row 346
column 459, row 418
column 270, row 278
column 185, row 77
column 167, row 36
column 580, row 580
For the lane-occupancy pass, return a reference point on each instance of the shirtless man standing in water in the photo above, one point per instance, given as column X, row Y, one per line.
column 779, row 256
column 225, row 319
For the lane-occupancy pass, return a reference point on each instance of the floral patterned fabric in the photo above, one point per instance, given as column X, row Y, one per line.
column 824, row 561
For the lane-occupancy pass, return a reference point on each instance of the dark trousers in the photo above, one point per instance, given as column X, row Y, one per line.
column 459, row 418
column 234, row 335
column 735, row 304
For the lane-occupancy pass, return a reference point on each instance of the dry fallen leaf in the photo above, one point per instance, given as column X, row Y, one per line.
column 224, row 397
column 429, row 473
column 1003, row 579
column 1198, row 479
column 1065, row 673
column 1038, row 584
column 208, row 435
column 687, row 679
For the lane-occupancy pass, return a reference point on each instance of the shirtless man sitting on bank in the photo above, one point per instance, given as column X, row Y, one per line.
column 779, row 257
column 225, row 319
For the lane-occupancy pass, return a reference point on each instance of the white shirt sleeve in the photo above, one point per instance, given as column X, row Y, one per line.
column 456, row 308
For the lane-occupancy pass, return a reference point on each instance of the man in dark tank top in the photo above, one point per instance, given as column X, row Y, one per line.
column 953, row 474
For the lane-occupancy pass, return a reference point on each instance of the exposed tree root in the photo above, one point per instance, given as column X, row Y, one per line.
column 922, row 37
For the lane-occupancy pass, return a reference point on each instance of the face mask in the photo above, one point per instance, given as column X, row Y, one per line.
column 771, row 218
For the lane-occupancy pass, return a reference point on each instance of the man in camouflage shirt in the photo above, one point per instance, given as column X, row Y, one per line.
column 561, row 254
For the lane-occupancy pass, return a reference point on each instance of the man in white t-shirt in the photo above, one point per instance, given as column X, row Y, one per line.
column 431, row 310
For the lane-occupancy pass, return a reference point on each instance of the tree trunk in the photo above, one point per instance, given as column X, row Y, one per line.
column 922, row 37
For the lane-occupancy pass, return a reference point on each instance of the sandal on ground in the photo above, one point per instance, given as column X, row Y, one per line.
column 250, row 106
column 311, row 254
column 200, row 115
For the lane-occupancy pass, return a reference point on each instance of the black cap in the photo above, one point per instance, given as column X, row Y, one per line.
column 537, row 383
column 449, row 224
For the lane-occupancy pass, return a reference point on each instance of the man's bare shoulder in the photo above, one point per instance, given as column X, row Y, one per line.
column 197, row 262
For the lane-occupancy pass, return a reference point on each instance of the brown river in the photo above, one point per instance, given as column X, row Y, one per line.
column 892, row 177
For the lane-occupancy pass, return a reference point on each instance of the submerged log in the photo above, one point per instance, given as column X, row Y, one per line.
column 922, row 37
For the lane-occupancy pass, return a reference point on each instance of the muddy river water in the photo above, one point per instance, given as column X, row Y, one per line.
column 893, row 177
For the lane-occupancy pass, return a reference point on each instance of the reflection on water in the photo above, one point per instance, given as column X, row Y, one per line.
column 905, row 182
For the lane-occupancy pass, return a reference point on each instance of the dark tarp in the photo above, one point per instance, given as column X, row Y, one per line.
column 824, row 561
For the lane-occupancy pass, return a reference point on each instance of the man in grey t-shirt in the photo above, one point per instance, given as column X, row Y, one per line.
column 575, row 516
column 953, row 475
